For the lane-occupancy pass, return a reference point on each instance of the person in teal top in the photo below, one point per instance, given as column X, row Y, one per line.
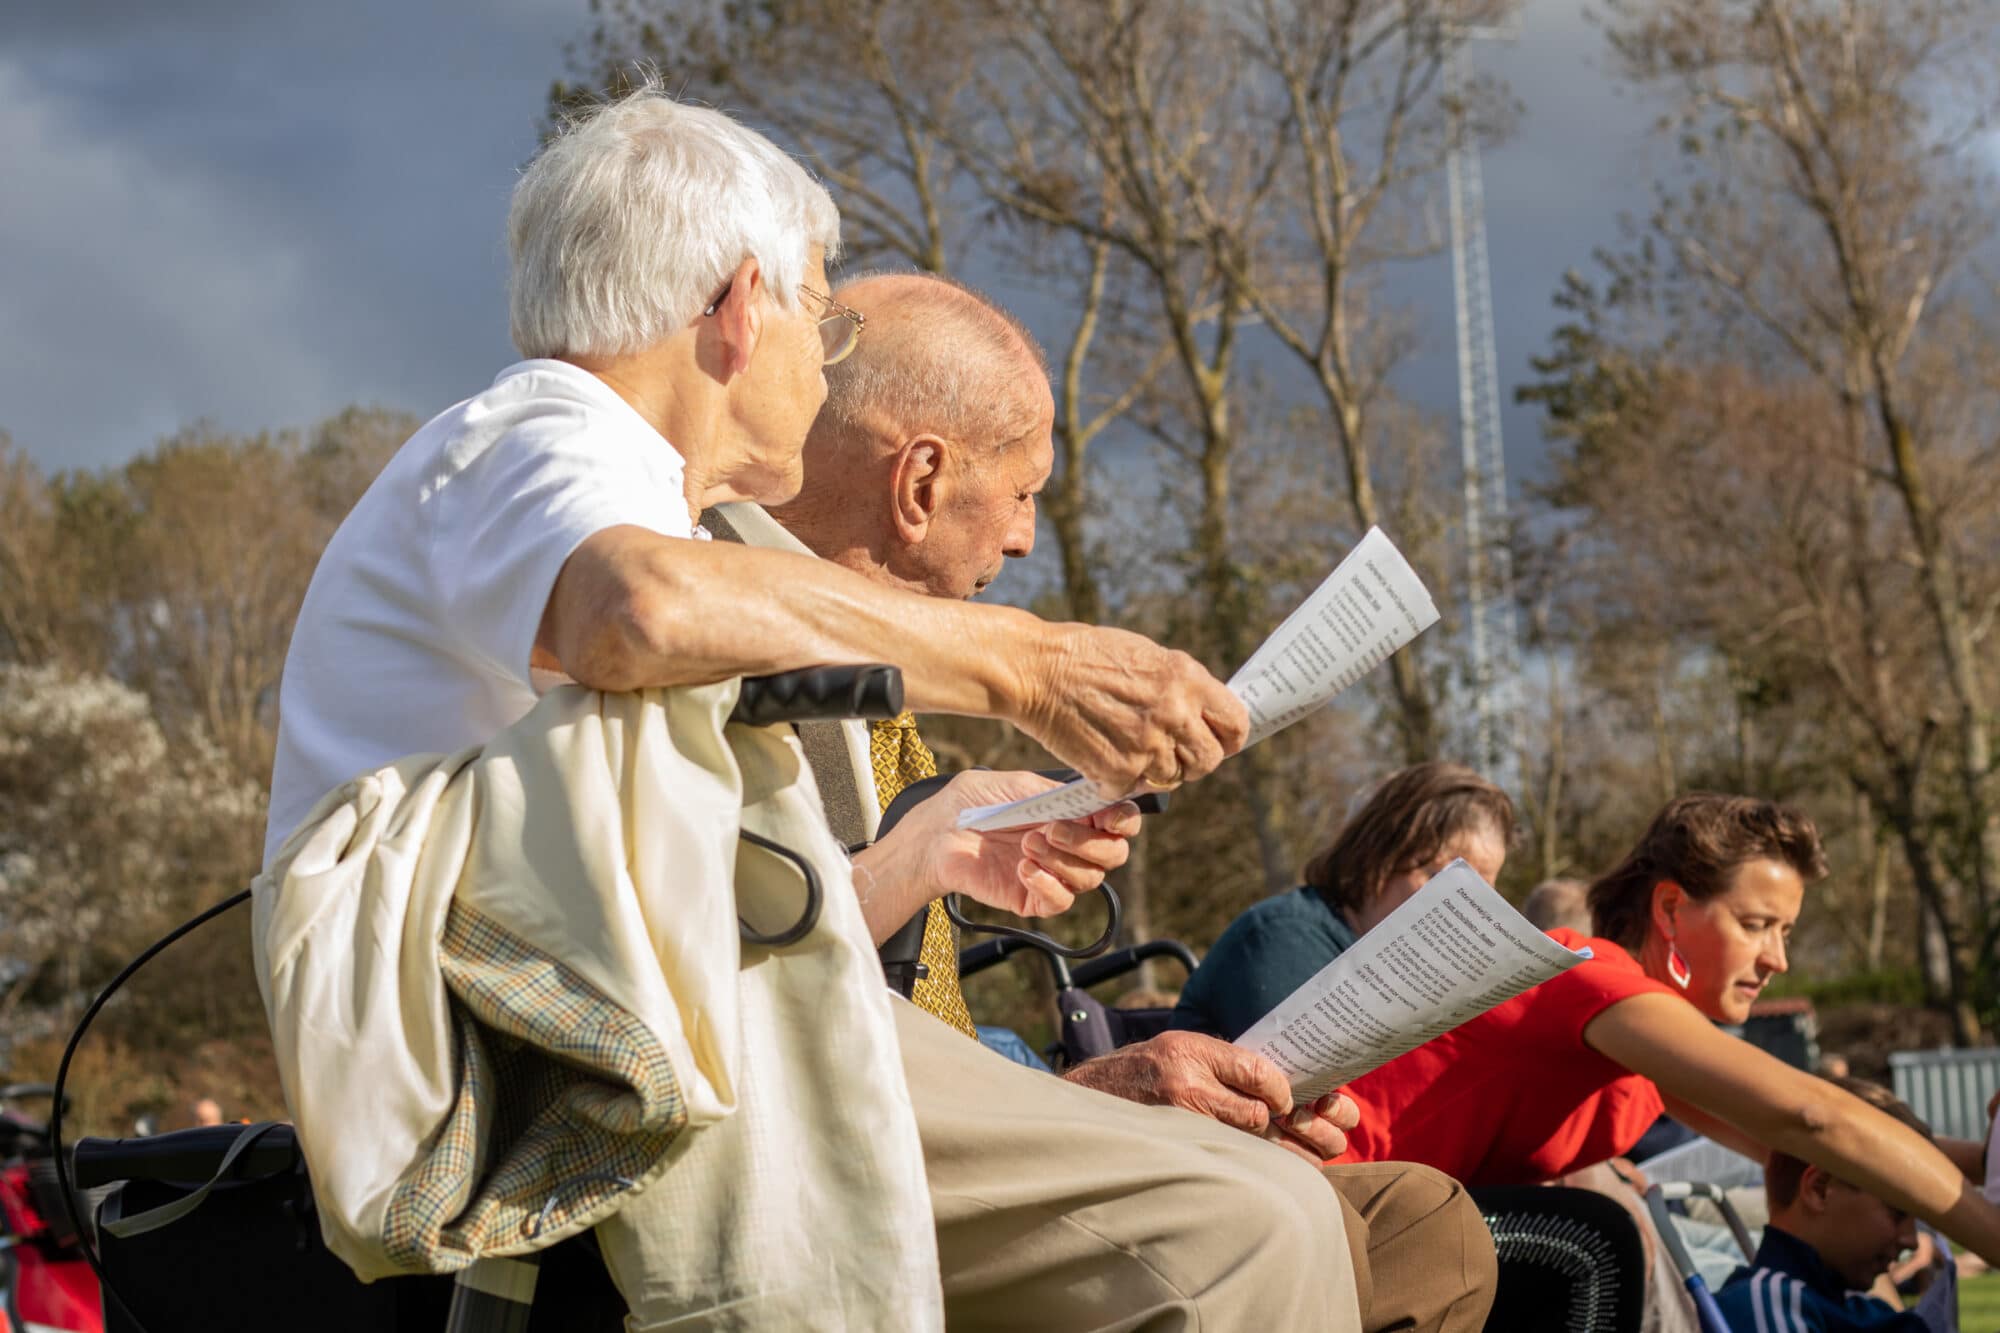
column 1261, row 958
column 1413, row 825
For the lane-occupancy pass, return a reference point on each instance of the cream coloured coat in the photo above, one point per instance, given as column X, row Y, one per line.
column 507, row 991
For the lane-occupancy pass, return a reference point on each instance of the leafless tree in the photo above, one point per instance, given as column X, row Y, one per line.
column 1834, row 203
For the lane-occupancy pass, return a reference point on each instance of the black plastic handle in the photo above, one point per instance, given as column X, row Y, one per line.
column 976, row 958
column 1125, row 960
column 824, row 693
column 185, row 1156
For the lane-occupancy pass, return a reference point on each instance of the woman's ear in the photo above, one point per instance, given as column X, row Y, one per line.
column 913, row 480
column 739, row 317
column 1665, row 907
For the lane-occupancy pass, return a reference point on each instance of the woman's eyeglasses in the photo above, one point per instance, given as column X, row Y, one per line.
column 839, row 326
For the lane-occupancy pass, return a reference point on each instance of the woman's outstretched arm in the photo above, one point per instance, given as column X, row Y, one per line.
column 1784, row 1109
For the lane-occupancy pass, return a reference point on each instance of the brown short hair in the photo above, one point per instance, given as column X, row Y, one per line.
column 1405, row 822
column 1783, row 1172
column 1698, row 841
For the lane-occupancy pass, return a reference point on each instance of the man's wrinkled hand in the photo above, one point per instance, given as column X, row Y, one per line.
column 1223, row 1082
column 1033, row 871
column 1127, row 713
column 1319, row 1131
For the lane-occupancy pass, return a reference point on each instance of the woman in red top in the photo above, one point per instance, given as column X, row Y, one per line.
column 1689, row 928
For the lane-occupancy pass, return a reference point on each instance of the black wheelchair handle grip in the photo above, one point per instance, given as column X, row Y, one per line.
column 816, row 694
column 975, row 958
column 186, row 1156
column 1124, row 960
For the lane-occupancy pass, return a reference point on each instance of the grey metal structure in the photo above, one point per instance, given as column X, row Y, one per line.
column 1947, row 1088
column 1490, row 619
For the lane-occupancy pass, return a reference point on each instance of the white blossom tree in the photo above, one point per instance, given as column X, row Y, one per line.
column 109, row 829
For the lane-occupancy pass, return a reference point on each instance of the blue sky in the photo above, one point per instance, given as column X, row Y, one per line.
column 258, row 213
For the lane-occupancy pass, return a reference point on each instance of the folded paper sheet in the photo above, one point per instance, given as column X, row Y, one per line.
column 1448, row 954
column 1372, row 604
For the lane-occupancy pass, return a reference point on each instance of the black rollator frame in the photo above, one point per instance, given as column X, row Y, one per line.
column 492, row 1295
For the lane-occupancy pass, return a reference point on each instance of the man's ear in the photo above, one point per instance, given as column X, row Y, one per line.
column 1813, row 1187
column 739, row 318
column 915, row 490
column 1667, row 899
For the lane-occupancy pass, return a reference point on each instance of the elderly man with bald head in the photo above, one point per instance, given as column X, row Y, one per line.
column 922, row 467
column 921, row 472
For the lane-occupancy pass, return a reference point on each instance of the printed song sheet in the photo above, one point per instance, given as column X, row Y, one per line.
column 1451, row 952
column 1372, row 604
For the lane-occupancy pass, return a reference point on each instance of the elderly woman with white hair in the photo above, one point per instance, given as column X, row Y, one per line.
column 669, row 292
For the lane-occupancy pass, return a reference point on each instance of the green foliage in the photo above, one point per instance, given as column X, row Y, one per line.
column 1895, row 985
column 1979, row 1303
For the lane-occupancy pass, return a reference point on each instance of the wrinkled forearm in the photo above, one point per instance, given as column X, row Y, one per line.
column 633, row 609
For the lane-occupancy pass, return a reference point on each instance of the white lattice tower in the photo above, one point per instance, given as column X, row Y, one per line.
column 1494, row 631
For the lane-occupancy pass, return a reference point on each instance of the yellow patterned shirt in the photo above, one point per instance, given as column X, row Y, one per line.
column 900, row 758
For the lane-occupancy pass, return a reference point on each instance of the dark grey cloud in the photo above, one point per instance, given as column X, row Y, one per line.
column 1580, row 157
column 258, row 212
column 55, row 24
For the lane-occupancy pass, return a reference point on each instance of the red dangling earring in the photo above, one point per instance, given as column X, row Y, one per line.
column 1678, row 970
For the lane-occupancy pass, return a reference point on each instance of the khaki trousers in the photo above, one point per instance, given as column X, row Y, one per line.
column 1059, row 1208
column 1232, row 1230
column 1425, row 1259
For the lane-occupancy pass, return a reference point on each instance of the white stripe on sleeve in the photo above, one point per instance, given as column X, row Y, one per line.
column 1760, row 1281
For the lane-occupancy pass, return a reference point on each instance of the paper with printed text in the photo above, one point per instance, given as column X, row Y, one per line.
column 1448, row 954
column 1372, row 604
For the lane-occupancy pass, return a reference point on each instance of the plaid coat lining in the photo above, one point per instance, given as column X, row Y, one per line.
column 564, row 1100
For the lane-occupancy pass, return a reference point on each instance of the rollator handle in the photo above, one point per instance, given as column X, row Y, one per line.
column 813, row 694
column 825, row 693
column 186, row 1156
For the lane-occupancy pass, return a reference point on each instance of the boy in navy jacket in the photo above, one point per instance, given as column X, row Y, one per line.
column 1827, row 1243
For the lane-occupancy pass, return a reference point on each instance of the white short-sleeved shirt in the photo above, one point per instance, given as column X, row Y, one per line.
column 419, row 621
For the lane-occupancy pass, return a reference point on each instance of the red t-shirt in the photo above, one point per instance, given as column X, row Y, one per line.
column 1514, row 1097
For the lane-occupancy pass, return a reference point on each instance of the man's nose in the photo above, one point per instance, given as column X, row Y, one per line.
column 1021, row 536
